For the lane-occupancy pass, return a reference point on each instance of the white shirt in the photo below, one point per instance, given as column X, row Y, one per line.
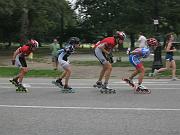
column 142, row 41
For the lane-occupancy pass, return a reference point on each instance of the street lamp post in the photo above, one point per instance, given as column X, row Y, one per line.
column 157, row 63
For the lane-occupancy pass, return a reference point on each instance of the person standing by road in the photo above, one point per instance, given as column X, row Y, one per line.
column 54, row 48
column 142, row 40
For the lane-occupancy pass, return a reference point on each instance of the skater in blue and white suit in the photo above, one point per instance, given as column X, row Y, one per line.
column 135, row 59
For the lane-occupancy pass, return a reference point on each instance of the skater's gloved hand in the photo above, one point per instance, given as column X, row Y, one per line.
column 110, row 55
column 13, row 62
column 110, row 58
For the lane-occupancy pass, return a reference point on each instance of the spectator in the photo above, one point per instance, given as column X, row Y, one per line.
column 54, row 48
column 142, row 40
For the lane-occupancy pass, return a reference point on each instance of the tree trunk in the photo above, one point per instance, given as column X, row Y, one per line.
column 24, row 24
column 132, row 40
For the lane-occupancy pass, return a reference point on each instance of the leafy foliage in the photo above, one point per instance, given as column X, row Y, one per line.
column 132, row 16
column 35, row 18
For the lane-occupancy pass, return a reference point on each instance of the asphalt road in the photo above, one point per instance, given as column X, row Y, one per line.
column 47, row 111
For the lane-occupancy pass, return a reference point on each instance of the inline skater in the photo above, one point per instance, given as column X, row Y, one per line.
column 63, row 55
column 103, row 53
column 19, row 60
column 135, row 59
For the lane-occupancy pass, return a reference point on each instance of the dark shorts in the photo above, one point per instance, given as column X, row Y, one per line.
column 169, row 57
column 22, row 62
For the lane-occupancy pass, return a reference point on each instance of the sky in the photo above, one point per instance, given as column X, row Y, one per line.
column 72, row 1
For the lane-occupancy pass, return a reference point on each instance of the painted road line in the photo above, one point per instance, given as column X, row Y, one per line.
column 120, row 82
column 90, row 108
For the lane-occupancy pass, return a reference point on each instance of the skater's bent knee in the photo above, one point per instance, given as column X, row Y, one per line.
column 25, row 70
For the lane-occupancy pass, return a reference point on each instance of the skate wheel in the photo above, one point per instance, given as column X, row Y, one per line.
column 101, row 91
column 26, row 90
column 148, row 92
column 144, row 92
column 72, row 91
column 63, row 91
column 17, row 90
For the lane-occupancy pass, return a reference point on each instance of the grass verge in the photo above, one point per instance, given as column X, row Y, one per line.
column 12, row 71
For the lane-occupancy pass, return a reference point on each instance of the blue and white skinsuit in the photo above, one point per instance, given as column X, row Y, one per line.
column 135, row 59
column 63, row 55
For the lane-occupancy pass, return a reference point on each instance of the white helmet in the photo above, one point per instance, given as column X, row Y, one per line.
column 120, row 35
column 34, row 43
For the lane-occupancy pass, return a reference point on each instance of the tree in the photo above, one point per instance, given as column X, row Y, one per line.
column 132, row 16
column 39, row 19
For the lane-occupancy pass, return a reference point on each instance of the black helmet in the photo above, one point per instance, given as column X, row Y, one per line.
column 74, row 40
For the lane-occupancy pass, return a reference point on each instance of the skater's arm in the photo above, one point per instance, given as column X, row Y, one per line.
column 16, row 53
column 168, row 49
column 136, row 51
column 14, row 56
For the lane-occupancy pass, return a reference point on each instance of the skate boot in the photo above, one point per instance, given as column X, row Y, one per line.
column 58, row 83
column 129, row 81
column 142, row 90
column 67, row 89
column 105, row 89
column 21, row 88
column 14, row 81
column 98, row 84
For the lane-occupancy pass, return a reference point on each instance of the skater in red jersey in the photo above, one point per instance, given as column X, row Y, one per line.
column 19, row 59
column 103, row 53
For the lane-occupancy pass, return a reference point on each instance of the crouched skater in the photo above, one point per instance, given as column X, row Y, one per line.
column 63, row 55
column 135, row 58
column 19, row 59
column 103, row 52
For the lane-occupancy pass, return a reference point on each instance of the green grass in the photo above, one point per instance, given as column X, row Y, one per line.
column 166, row 74
column 45, row 51
column 12, row 71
